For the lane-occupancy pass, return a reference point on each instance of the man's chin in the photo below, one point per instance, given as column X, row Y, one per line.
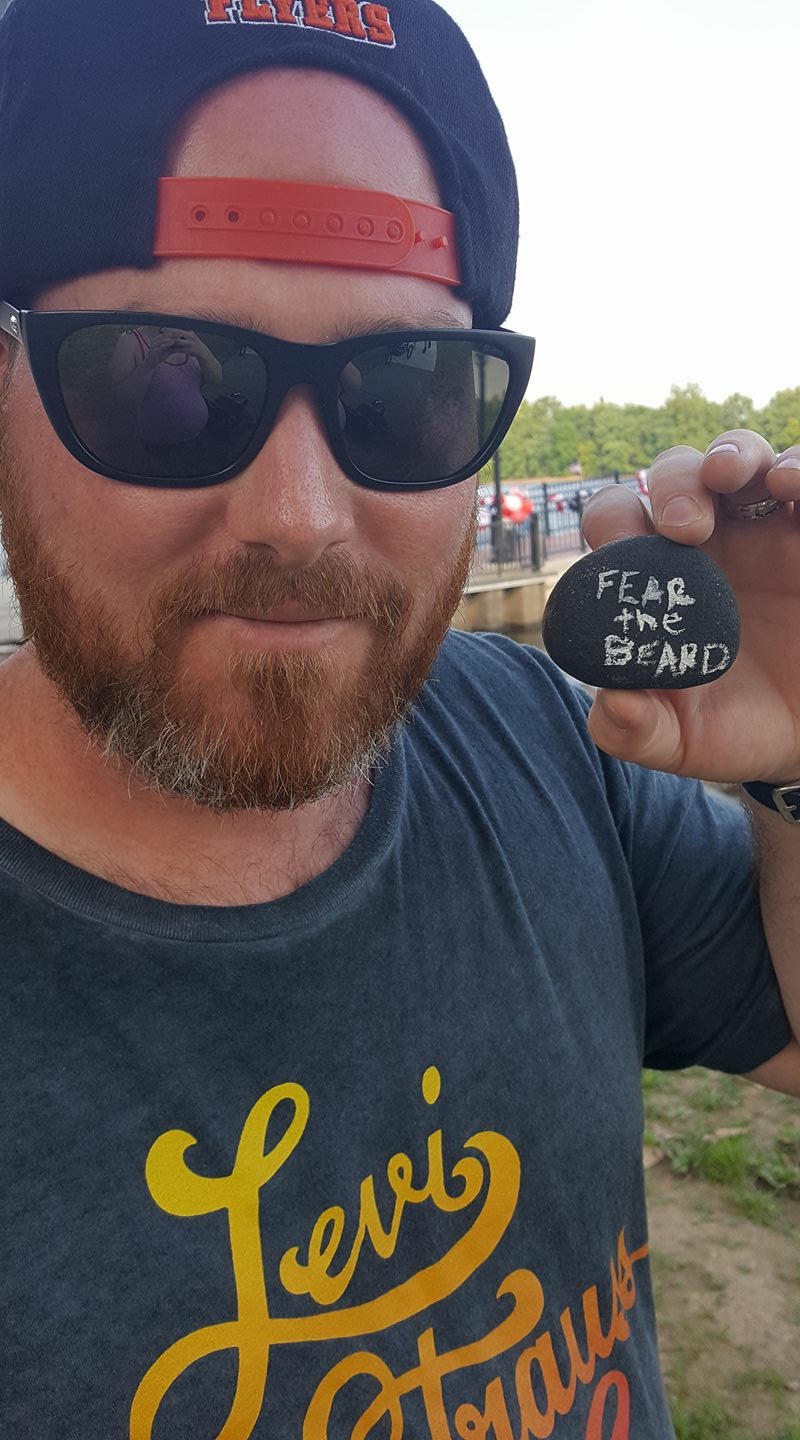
column 275, row 732
column 240, row 782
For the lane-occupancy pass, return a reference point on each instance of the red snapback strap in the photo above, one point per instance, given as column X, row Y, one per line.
column 305, row 224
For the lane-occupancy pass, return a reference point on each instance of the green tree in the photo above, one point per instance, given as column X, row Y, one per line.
column 565, row 438
column 615, row 438
column 548, row 437
column 780, row 420
column 693, row 420
column 529, row 449
column 739, row 413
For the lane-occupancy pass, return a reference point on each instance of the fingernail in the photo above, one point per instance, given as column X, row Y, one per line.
column 724, row 450
column 792, row 462
column 680, row 510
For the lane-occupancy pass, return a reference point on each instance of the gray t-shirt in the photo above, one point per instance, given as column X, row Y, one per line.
column 366, row 1161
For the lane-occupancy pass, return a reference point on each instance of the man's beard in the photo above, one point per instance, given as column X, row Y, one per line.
column 283, row 729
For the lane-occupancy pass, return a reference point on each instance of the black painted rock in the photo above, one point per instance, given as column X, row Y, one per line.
column 643, row 614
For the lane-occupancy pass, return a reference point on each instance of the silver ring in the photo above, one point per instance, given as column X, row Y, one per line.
column 756, row 510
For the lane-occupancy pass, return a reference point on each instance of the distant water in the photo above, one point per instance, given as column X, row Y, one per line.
column 526, row 634
column 523, row 634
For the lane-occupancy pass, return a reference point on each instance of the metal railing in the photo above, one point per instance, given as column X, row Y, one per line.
column 554, row 528
column 507, row 546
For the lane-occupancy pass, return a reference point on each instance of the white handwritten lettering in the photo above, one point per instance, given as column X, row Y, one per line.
column 668, row 661
column 618, row 651
column 721, row 664
column 604, row 581
column 653, row 593
column 676, row 591
column 624, row 592
column 674, row 623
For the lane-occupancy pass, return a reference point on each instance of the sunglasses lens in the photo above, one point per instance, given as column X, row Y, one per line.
column 420, row 410
column 171, row 404
column 161, row 403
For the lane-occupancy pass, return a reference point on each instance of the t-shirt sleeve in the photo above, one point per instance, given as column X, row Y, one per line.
column 712, row 997
column 684, row 855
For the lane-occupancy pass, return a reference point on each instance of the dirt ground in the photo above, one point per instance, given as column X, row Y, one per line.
column 723, row 1180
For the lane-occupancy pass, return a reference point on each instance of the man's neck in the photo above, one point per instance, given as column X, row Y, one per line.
column 56, row 788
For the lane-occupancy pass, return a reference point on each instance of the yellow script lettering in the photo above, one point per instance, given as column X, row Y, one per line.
column 181, row 1191
column 313, row 1276
column 493, row 1174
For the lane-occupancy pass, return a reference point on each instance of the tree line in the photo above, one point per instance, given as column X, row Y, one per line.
column 548, row 438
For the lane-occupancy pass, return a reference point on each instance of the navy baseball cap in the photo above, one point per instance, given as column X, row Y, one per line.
column 91, row 93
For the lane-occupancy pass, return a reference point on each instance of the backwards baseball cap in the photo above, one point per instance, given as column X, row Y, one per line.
column 91, row 92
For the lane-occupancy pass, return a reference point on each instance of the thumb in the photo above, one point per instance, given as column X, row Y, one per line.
column 637, row 725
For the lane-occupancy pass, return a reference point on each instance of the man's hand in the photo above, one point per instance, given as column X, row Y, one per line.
column 745, row 726
column 167, row 342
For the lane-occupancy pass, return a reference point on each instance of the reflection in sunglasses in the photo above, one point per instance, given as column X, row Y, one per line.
column 172, row 403
column 420, row 409
column 158, row 375
column 160, row 401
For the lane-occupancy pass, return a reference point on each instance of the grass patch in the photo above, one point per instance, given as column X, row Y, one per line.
column 718, row 1093
column 758, row 1208
column 738, row 1159
column 741, row 1145
column 706, row 1421
column 770, row 1381
column 779, row 1166
column 754, row 1172
column 679, row 1097
column 754, row 1175
column 725, row 1162
column 709, row 1420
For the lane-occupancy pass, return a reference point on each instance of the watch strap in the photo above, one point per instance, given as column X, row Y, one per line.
column 784, row 799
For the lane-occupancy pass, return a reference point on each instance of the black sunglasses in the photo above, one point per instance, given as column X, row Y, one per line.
column 171, row 401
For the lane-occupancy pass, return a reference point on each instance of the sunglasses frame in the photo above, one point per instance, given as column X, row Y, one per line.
column 43, row 331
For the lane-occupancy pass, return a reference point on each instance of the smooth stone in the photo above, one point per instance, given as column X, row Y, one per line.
column 643, row 614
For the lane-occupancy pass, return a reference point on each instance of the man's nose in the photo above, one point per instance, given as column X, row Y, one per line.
column 294, row 498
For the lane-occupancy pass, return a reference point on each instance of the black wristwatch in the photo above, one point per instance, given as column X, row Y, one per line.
column 785, row 799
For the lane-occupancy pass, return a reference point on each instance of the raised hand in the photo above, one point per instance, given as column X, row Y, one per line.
column 745, row 726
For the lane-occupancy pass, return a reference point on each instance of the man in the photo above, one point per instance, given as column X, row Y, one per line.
column 322, row 1111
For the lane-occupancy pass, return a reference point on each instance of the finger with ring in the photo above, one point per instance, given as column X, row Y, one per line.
column 754, row 510
column 784, row 477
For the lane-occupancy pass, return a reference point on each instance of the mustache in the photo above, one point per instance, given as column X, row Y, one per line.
column 334, row 585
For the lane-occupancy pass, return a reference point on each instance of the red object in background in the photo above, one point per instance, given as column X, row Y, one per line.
column 517, row 506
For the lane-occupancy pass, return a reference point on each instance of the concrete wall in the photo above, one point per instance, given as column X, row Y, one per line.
column 505, row 605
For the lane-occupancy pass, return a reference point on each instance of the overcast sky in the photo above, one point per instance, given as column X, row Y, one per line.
column 657, row 148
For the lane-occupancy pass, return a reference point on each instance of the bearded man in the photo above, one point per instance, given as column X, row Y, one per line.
column 321, row 1077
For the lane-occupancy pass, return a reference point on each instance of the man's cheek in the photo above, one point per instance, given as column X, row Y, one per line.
column 426, row 533
column 139, row 537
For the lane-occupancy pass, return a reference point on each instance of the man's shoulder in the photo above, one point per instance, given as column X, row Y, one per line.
column 489, row 694
column 488, row 648
column 505, row 671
